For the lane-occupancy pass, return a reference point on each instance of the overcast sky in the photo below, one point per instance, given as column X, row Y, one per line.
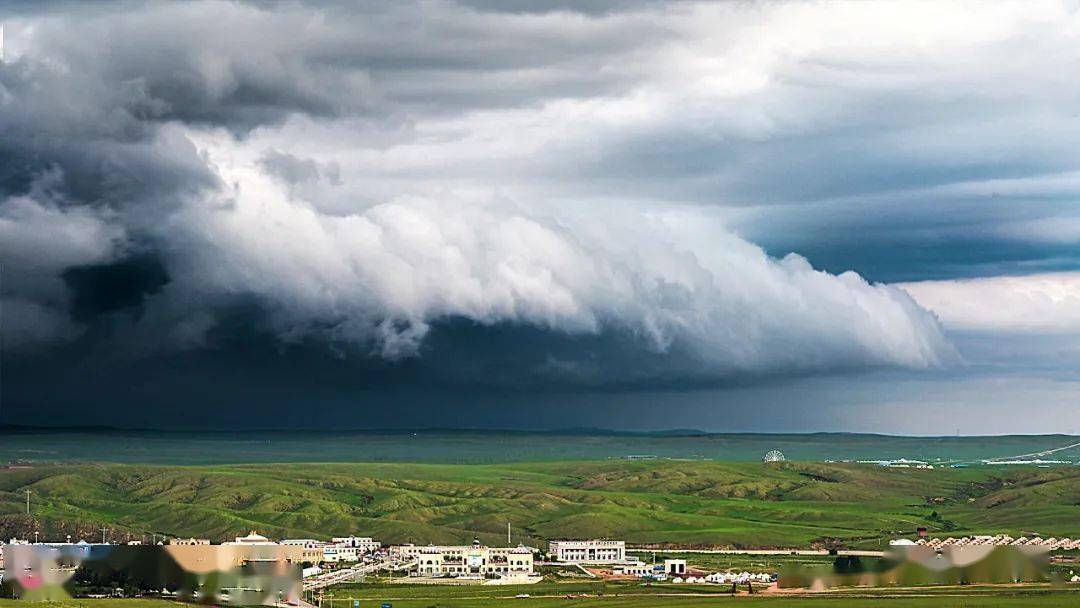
column 731, row 216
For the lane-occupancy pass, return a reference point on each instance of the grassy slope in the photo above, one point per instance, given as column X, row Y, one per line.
column 749, row 504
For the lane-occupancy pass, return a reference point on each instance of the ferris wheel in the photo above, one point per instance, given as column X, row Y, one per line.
column 773, row 456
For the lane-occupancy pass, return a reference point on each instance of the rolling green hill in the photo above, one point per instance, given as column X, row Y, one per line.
column 789, row 504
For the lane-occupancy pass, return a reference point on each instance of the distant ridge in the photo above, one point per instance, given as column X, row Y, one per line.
column 439, row 445
column 568, row 431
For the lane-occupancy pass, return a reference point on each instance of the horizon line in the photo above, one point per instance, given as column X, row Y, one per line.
column 673, row 433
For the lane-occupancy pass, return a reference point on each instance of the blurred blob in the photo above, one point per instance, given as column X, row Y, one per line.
column 232, row 574
column 920, row 565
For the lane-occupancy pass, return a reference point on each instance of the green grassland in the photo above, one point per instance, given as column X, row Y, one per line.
column 732, row 562
column 691, row 503
column 549, row 593
column 950, row 598
column 478, row 447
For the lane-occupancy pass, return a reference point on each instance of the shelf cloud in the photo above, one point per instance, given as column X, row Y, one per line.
column 620, row 194
column 384, row 273
column 276, row 164
column 1040, row 303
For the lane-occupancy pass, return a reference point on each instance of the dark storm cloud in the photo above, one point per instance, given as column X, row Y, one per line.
column 92, row 133
column 468, row 195
column 82, row 174
column 936, row 236
column 379, row 59
column 105, row 288
column 244, row 376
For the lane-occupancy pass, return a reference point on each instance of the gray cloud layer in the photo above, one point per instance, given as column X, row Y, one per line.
column 364, row 174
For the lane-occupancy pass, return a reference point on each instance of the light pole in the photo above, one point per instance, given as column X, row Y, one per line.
column 28, row 501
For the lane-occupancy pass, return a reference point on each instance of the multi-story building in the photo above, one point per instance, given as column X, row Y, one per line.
column 320, row 552
column 362, row 544
column 588, row 551
column 346, row 553
column 330, row 554
column 472, row 561
column 311, row 550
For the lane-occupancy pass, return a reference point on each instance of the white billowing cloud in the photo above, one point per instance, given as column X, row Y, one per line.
column 382, row 274
column 1034, row 303
column 433, row 160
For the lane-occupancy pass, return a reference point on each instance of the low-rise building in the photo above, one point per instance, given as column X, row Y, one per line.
column 251, row 539
column 639, row 569
column 675, row 566
column 1001, row 540
column 187, row 542
column 472, row 561
column 588, row 551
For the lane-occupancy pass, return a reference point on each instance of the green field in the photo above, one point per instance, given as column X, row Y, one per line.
column 946, row 599
column 597, row 593
column 477, row 447
column 789, row 504
column 716, row 562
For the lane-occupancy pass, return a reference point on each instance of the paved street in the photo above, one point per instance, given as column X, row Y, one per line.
column 352, row 573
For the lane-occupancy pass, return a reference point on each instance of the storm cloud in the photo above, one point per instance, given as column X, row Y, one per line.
column 642, row 194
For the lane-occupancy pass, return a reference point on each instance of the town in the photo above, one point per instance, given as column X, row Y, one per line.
column 324, row 563
column 343, row 559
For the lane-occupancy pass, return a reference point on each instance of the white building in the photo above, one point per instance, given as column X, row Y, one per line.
column 317, row 551
column 251, row 539
column 346, row 553
column 362, row 544
column 311, row 550
column 330, row 554
column 189, row 542
column 588, row 551
column 899, row 463
column 471, row 561
column 726, row 578
column 639, row 569
column 302, row 542
column 675, row 566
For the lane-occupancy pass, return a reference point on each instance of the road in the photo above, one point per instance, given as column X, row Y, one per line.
column 344, row 575
column 1040, row 454
column 758, row 551
column 1015, row 457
